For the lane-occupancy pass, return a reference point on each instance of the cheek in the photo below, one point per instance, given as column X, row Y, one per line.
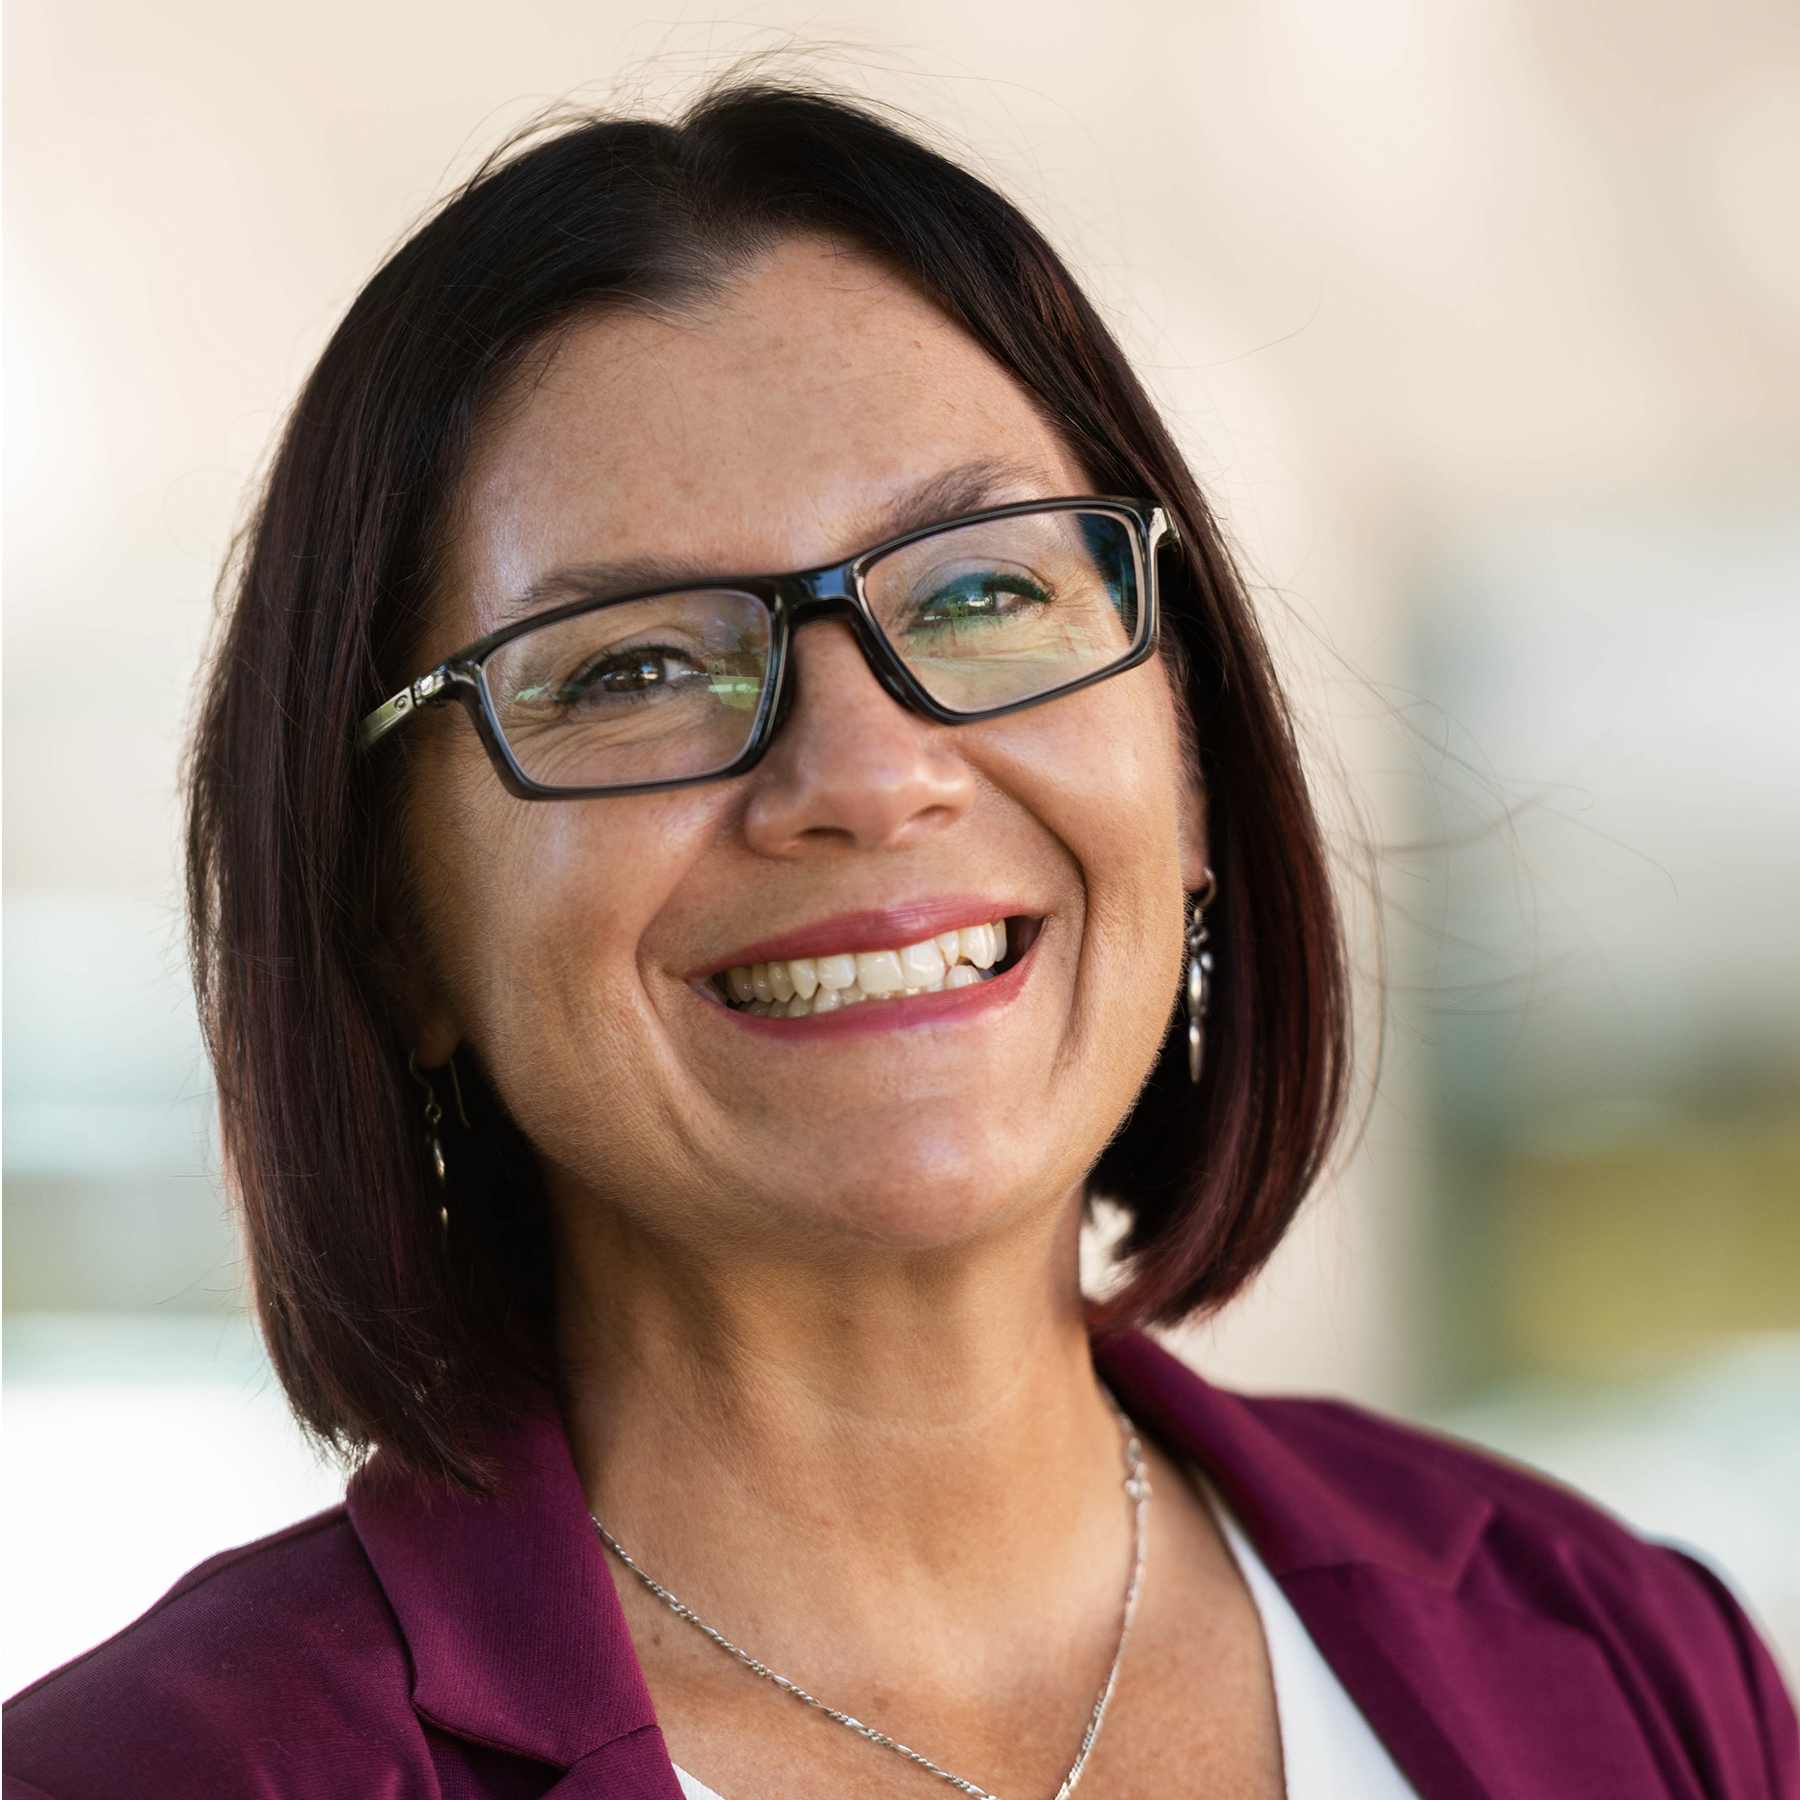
column 535, row 914
column 1101, row 770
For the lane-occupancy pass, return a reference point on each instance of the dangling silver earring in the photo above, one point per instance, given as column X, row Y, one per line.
column 1199, row 977
column 434, row 1114
column 434, row 1117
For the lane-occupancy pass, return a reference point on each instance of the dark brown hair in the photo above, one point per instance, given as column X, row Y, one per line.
column 384, row 1330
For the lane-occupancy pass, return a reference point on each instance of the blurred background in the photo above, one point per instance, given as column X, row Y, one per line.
column 1481, row 322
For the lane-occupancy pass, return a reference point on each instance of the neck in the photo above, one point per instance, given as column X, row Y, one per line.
column 889, row 1422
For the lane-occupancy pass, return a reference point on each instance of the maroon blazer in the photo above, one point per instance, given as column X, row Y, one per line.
column 1505, row 1639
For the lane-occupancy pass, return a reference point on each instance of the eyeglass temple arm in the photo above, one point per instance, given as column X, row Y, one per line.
column 391, row 712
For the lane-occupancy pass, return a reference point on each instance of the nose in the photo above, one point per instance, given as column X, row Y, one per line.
column 851, row 769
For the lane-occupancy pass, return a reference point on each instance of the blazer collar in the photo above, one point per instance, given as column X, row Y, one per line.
column 1282, row 1465
column 515, row 1630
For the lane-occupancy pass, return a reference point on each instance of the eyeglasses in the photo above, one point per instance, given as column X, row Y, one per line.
column 671, row 686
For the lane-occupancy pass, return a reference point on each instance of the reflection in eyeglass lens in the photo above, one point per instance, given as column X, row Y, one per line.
column 1011, row 608
column 650, row 690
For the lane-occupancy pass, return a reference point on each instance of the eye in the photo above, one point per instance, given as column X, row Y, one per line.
column 638, row 673
column 635, row 672
column 980, row 594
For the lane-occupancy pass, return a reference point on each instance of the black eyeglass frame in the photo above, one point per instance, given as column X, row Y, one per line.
column 808, row 596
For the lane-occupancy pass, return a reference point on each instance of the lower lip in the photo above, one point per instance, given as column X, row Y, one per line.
column 871, row 1016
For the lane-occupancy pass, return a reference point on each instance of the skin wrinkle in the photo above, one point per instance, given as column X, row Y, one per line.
column 819, row 1316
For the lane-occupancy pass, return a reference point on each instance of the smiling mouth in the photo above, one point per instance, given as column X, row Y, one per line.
column 803, row 985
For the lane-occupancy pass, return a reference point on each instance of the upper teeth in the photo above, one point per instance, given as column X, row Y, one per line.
column 814, row 984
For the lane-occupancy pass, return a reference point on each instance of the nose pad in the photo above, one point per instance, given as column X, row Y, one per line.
column 784, row 700
column 835, row 612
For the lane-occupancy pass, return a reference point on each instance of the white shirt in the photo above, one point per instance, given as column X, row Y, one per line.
column 1328, row 1750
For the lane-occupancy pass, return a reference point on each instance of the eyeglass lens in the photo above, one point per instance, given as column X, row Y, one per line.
column 983, row 616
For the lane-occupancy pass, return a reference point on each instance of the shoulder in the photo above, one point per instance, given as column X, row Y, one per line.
column 1521, row 1525
column 1395, row 1468
column 273, row 1669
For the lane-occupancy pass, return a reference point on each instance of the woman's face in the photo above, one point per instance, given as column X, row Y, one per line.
column 576, row 947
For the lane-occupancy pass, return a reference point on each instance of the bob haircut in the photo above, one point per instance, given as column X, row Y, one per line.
column 391, row 1326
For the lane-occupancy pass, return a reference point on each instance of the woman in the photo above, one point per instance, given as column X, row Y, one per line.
column 671, row 1013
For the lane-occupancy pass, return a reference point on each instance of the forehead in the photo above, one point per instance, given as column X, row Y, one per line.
column 771, row 427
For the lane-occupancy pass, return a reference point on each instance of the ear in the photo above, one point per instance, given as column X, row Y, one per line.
column 1191, row 829
column 421, row 1015
column 432, row 1035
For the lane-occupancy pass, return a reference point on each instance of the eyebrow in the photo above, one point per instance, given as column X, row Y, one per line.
column 968, row 488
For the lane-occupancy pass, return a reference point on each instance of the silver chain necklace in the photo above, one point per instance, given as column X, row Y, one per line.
column 1137, row 1491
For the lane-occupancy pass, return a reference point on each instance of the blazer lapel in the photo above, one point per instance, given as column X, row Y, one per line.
column 1382, row 1547
column 514, row 1627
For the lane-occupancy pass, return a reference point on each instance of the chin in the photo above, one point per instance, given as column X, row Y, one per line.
column 918, row 1203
